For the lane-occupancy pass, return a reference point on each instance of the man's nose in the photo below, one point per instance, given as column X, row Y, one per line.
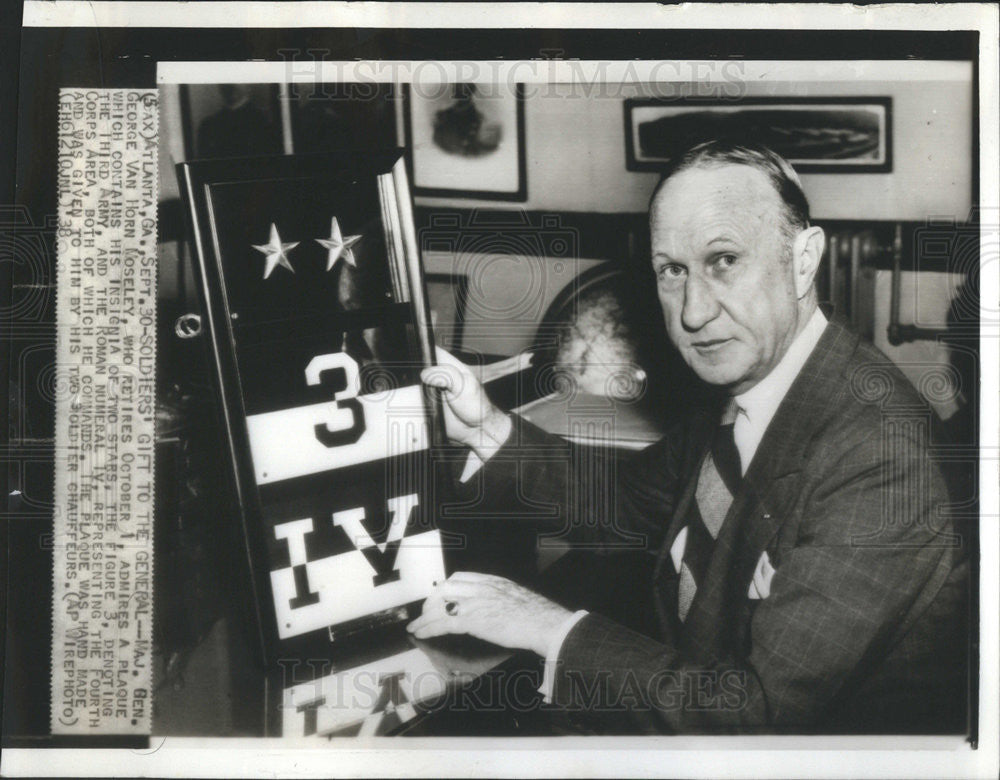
column 700, row 304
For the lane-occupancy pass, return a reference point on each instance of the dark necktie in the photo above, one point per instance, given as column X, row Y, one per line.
column 718, row 481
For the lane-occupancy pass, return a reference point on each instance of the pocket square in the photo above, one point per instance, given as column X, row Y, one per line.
column 760, row 586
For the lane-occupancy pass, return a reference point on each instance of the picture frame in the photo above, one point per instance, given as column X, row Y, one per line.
column 466, row 141
column 230, row 120
column 325, row 117
column 815, row 134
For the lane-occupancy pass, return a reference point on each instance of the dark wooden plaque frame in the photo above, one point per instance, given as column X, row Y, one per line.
column 198, row 179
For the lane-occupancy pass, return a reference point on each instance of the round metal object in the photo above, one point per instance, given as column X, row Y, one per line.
column 188, row 326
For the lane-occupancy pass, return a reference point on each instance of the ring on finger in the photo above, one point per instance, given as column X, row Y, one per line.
column 451, row 607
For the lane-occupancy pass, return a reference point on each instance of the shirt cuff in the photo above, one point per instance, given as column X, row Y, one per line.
column 491, row 443
column 552, row 656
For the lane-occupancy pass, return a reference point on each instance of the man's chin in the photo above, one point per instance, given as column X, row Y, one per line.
column 719, row 374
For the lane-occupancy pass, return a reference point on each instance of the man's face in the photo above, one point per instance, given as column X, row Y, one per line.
column 724, row 273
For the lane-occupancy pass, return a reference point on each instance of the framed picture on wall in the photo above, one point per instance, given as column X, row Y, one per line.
column 342, row 115
column 230, row 120
column 466, row 140
column 816, row 134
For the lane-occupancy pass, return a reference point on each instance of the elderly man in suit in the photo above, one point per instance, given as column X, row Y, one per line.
column 807, row 576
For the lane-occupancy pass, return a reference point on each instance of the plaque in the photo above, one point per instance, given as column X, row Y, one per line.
column 315, row 314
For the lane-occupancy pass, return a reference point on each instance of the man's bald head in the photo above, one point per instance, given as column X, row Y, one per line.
column 781, row 175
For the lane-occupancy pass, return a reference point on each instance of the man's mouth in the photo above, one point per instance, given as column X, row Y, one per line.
column 709, row 345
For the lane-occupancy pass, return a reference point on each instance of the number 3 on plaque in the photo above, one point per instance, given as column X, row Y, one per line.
column 339, row 372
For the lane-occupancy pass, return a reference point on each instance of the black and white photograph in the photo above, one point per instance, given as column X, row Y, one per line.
column 543, row 390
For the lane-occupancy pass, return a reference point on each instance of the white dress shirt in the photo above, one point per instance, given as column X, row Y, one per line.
column 755, row 410
column 756, row 407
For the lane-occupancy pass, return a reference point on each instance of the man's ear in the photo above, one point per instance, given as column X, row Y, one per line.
column 807, row 251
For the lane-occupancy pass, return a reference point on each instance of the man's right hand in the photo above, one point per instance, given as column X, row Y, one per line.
column 470, row 417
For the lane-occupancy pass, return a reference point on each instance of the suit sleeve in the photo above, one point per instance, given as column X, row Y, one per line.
column 870, row 544
column 587, row 495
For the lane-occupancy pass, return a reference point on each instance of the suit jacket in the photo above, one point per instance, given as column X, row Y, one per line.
column 863, row 629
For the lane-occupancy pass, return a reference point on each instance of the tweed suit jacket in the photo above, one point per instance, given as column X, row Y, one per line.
column 863, row 628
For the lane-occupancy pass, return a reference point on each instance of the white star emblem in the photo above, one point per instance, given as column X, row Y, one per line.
column 338, row 246
column 275, row 252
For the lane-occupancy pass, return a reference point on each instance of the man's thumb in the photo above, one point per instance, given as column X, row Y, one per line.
column 439, row 377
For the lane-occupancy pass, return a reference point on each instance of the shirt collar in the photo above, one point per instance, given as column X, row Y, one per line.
column 761, row 401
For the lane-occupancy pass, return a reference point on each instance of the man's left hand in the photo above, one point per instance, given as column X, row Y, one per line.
column 490, row 608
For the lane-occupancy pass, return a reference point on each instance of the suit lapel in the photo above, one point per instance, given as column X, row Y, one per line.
column 760, row 506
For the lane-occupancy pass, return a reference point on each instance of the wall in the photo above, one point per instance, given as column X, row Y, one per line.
column 508, row 295
column 576, row 162
column 924, row 300
column 171, row 146
column 170, row 277
column 575, row 146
